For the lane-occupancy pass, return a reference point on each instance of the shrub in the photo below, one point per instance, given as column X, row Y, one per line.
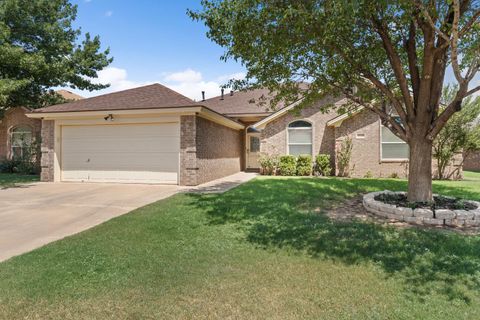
column 322, row 165
column 344, row 154
column 9, row 166
column 394, row 176
column 269, row 164
column 368, row 175
column 304, row 165
column 287, row 166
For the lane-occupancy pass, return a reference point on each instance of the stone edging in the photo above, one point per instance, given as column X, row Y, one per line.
column 441, row 217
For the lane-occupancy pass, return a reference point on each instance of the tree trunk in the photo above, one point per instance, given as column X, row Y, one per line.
column 420, row 170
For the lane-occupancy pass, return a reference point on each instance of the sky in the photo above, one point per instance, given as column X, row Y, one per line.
column 155, row 41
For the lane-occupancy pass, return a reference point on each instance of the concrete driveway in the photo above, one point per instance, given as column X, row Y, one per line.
column 36, row 214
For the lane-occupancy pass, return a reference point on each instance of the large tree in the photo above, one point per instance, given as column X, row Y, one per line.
column 389, row 56
column 40, row 49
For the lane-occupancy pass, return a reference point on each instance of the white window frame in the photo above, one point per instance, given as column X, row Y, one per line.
column 13, row 133
column 382, row 159
column 300, row 128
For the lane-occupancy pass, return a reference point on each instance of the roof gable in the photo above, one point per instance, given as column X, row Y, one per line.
column 147, row 97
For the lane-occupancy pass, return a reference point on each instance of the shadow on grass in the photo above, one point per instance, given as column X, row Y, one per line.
column 278, row 213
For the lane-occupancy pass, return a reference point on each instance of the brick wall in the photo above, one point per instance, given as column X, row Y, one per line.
column 472, row 161
column 208, row 150
column 48, row 152
column 364, row 129
column 15, row 117
column 274, row 135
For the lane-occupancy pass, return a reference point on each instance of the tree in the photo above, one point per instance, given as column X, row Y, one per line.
column 392, row 51
column 459, row 134
column 40, row 49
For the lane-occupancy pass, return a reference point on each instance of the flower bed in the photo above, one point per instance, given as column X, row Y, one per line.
column 444, row 211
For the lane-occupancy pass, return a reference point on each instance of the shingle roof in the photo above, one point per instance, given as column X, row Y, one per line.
column 153, row 96
column 69, row 95
column 242, row 102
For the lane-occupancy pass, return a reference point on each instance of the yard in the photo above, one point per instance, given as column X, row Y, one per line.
column 262, row 250
column 12, row 180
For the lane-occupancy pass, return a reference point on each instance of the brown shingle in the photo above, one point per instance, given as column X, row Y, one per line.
column 148, row 97
column 68, row 95
column 242, row 102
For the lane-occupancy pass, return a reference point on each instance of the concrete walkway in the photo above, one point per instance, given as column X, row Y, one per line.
column 223, row 184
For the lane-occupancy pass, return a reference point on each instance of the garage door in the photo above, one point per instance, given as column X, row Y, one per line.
column 139, row 153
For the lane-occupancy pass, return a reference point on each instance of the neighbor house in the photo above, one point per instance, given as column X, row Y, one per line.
column 153, row 134
column 16, row 129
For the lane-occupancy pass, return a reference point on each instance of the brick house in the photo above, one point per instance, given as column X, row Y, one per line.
column 472, row 161
column 15, row 126
column 152, row 134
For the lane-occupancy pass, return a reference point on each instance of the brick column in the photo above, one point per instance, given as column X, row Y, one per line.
column 188, row 151
column 47, row 148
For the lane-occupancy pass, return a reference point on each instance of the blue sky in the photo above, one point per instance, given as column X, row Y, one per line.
column 155, row 41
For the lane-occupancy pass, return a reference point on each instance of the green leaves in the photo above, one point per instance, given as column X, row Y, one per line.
column 39, row 49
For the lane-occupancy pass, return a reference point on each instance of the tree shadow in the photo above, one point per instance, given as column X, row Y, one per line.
column 279, row 213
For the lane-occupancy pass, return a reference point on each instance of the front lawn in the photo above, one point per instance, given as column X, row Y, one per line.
column 260, row 251
column 9, row 180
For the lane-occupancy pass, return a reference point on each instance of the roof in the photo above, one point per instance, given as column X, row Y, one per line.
column 68, row 95
column 242, row 102
column 154, row 96
column 337, row 121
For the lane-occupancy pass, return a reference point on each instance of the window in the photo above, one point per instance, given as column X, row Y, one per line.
column 299, row 138
column 254, row 144
column 392, row 147
column 21, row 141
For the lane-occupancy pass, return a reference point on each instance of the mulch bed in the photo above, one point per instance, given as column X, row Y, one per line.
column 439, row 202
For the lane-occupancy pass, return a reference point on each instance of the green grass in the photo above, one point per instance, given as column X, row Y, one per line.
column 8, row 180
column 256, row 252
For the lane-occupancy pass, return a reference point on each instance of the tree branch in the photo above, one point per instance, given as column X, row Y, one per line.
column 413, row 63
column 430, row 21
column 470, row 23
column 470, row 92
column 396, row 63
column 454, row 42
column 396, row 128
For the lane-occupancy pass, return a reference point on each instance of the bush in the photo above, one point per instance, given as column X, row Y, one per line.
column 322, row 165
column 9, row 166
column 269, row 164
column 287, row 166
column 18, row 166
column 304, row 165
column 368, row 175
column 344, row 155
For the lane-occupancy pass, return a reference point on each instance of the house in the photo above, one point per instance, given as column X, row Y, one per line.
column 472, row 161
column 153, row 134
column 16, row 127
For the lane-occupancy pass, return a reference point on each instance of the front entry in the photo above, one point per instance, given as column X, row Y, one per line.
column 253, row 150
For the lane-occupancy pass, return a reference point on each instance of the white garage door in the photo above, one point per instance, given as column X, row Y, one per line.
column 133, row 153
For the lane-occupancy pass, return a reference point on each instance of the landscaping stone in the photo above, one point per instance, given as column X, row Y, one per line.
column 455, row 222
column 444, row 214
column 464, row 214
column 433, row 221
column 423, row 213
column 467, row 218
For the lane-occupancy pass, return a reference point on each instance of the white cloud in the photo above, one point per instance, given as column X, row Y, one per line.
column 186, row 76
column 191, row 83
column 109, row 13
column 188, row 82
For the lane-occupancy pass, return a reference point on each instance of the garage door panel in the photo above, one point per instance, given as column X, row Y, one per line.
column 146, row 153
column 166, row 144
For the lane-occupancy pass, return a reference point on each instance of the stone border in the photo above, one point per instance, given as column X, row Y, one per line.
column 419, row 216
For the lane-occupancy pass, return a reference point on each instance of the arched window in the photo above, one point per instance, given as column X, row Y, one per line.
column 299, row 138
column 21, row 142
